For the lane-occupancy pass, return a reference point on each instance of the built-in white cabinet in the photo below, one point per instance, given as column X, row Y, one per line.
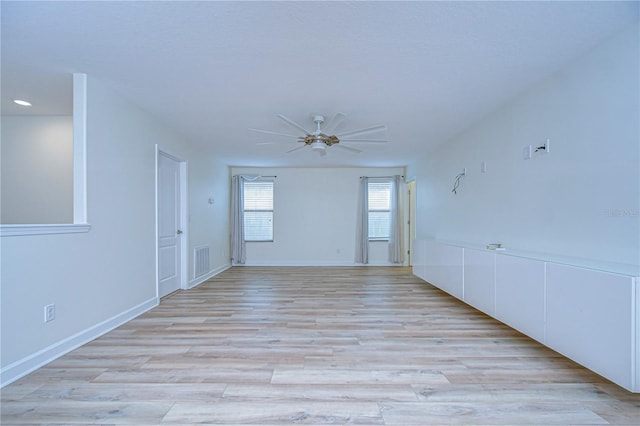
column 444, row 268
column 419, row 258
column 586, row 313
column 520, row 294
column 591, row 319
column 480, row 280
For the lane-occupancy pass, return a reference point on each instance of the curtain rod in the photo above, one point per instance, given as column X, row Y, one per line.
column 262, row 176
column 378, row 177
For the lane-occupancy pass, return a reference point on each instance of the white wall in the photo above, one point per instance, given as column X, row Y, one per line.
column 208, row 223
column 37, row 169
column 97, row 279
column 315, row 217
column 579, row 200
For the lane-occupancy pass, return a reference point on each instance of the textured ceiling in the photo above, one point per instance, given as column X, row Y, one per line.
column 211, row 70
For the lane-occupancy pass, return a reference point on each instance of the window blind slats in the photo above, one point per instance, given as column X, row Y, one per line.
column 379, row 210
column 258, row 196
column 258, row 211
column 379, row 195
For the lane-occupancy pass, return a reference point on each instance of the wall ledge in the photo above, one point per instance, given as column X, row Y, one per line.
column 37, row 229
column 595, row 264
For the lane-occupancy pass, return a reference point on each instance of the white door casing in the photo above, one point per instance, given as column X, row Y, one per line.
column 170, row 222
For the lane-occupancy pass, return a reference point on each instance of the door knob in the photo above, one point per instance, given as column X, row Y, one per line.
column 178, row 232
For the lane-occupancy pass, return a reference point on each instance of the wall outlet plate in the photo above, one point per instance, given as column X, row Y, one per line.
column 49, row 313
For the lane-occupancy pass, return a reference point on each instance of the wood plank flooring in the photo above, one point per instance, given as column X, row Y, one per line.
column 361, row 345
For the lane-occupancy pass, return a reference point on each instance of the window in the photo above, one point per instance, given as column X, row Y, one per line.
column 79, row 222
column 379, row 210
column 258, row 211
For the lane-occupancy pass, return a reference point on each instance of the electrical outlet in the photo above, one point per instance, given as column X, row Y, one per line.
column 49, row 313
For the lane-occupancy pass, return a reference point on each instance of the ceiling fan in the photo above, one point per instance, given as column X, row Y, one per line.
column 322, row 138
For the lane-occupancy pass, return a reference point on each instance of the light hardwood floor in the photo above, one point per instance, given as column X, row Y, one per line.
column 361, row 345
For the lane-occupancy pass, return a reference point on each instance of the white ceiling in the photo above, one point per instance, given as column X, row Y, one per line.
column 211, row 70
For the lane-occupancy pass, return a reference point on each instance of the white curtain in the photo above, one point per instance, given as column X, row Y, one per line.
column 396, row 232
column 238, row 246
column 362, row 231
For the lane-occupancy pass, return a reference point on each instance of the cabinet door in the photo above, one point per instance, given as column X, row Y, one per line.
column 480, row 280
column 444, row 267
column 520, row 294
column 590, row 319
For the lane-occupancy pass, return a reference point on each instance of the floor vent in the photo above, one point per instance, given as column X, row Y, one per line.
column 200, row 261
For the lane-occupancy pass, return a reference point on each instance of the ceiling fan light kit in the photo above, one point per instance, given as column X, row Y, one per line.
column 319, row 146
column 319, row 140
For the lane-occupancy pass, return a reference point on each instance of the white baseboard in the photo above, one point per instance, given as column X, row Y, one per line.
column 21, row 368
column 202, row 278
column 314, row 263
column 296, row 263
column 385, row 264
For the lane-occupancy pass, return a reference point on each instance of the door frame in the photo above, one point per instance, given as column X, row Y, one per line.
column 184, row 223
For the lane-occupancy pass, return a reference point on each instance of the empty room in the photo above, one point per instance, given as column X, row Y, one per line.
column 320, row 212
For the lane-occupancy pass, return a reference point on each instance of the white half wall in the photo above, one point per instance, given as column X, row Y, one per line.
column 37, row 170
column 315, row 217
column 103, row 277
column 581, row 199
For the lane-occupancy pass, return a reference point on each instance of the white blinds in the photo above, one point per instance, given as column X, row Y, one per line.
column 379, row 210
column 258, row 211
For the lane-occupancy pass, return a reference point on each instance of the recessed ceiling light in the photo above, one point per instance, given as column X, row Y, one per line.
column 21, row 102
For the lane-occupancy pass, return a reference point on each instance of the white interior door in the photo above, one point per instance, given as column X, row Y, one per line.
column 169, row 225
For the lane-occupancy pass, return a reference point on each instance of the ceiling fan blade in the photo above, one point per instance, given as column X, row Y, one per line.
column 272, row 133
column 334, row 122
column 295, row 149
column 362, row 132
column 292, row 123
column 364, row 140
column 348, row 148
